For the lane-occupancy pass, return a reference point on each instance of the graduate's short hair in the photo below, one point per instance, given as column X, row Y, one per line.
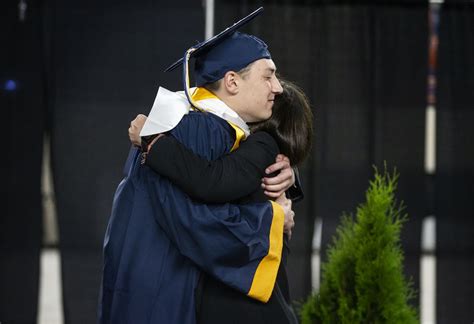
column 214, row 86
column 291, row 123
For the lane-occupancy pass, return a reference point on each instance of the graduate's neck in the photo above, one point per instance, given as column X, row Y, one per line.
column 232, row 100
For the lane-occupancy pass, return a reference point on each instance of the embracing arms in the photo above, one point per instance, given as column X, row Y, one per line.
column 233, row 176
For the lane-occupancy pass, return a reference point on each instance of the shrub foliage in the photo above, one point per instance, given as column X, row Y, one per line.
column 362, row 281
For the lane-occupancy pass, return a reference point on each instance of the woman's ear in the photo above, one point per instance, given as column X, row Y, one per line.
column 230, row 82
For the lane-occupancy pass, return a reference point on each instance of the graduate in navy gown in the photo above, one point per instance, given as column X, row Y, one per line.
column 158, row 240
column 236, row 177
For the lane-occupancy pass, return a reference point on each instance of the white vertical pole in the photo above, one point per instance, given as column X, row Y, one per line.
column 50, row 305
column 50, row 310
column 430, row 140
column 428, row 271
column 428, row 234
column 50, row 222
column 316, row 254
column 209, row 32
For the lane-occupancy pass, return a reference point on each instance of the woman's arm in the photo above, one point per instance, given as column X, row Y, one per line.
column 228, row 178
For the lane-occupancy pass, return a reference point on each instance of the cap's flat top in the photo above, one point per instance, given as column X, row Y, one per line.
column 217, row 38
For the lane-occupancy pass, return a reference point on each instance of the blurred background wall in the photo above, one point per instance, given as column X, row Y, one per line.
column 73, row 75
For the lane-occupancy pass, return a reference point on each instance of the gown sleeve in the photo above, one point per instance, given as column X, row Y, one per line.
column 228, row 178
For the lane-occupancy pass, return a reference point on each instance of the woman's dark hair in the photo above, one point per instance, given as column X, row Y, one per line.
column 291, row 124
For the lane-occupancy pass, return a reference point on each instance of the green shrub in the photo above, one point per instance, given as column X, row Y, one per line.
column 362, row 281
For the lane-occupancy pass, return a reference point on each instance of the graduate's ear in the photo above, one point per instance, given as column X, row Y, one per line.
column 230, row 81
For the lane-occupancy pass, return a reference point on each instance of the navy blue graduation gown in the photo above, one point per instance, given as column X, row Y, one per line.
column 158, row 240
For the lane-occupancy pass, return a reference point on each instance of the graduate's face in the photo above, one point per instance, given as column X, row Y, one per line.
column 257, row 90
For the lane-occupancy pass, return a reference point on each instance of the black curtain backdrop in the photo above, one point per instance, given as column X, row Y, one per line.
column 398, row 89
column 107, row 61
column 455, row 166
column 84, row 69
column 22, row 109
column 366, row 80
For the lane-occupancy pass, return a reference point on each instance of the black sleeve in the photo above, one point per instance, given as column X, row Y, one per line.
column 232, row 176
column 295, row 192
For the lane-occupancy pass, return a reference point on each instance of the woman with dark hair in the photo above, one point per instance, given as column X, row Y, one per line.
column 291, row 124
column 236, row 177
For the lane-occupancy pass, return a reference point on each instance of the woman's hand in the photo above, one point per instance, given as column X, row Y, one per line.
column 289, row 214
column 135, row 128
column 276, row 186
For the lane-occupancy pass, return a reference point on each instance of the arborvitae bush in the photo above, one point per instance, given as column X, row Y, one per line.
column 362, row 281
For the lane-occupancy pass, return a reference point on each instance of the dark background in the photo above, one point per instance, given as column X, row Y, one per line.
column 84, row 69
